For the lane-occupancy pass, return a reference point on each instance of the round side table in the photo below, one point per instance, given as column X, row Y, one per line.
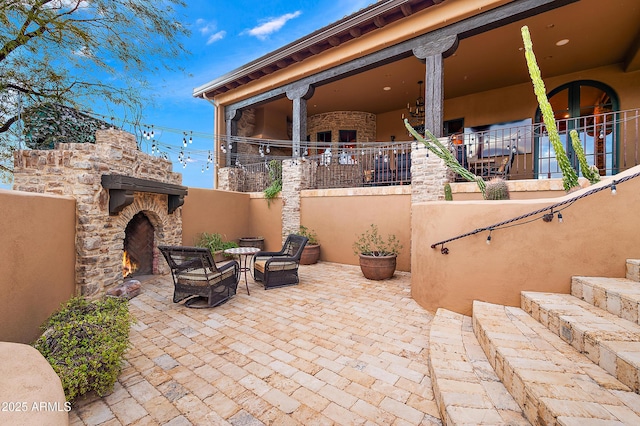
column 243, row 253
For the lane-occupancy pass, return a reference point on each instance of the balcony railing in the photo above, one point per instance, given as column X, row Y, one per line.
column 610, row 141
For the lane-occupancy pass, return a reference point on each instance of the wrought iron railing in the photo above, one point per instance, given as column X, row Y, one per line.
column 610, row 141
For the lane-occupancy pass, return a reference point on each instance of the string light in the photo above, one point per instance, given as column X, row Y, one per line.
column 489, row 237
column 614, row 190
column 559, row 217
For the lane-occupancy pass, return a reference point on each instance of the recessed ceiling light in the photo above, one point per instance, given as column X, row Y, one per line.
column 386, row 88
column 562, row 42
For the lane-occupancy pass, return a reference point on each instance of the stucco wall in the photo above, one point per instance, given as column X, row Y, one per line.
column 597, row 235
column 338, row 216
column 37, row 261
column 207, row 210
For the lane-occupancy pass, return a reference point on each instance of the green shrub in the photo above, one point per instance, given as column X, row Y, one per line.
column 84, row 342
column 214, row 242
column 371, row 243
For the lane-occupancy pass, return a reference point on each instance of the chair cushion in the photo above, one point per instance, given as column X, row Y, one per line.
column 199, row 276
column 275, row 266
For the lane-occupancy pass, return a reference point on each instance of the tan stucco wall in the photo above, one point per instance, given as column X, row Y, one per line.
column 212, row 211
column 598, row 234
column 232, row 214
column 339, row 216
column 265, row 220
column 37, row 261
column 518, row 102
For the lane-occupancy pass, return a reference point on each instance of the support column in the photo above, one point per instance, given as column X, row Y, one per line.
column 296, row 176
column 433, row 55
column 231, row 118
column 429, row 174
column 299, row 95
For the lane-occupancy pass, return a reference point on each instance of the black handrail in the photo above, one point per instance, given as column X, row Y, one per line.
column 549, row 210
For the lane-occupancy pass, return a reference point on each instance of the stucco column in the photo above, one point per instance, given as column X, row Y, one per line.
column 433, row 54
column 299, row 96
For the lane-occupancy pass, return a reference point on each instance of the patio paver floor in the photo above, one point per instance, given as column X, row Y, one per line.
column 335, row 350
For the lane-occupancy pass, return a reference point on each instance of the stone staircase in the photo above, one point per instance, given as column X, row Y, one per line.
column 560, row 359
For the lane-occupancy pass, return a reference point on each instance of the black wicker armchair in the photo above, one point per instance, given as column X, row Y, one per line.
column 277, row 269
column 198, row 279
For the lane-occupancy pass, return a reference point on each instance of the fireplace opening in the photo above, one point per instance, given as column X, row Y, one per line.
column 137, row 258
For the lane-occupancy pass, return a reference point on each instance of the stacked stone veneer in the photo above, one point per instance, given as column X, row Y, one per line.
column 429, row 174
column 76, row 170
column 364, row 123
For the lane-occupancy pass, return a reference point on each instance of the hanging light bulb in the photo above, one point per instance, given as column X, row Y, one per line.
column 559, row 217
column 268, row 149
column 152, row 132
column 614, row 190
column 489, row 238
column 191, row 137
column 202, row 169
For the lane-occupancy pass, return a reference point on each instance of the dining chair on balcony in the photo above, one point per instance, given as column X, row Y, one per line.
column 197, row 279
column 277, row 269
column 504, row 169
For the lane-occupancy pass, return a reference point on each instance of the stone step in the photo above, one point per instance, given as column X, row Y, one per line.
column 465, row 386
column 633, row 269
column 620, row 296
column 551, row 381
column 606, row 339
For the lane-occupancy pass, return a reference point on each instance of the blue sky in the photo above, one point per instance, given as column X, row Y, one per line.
column 224, row 36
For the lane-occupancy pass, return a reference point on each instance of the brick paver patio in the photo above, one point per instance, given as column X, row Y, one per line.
column 335, row 350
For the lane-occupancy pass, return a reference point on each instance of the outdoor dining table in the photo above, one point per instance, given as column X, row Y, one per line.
column 243, row 253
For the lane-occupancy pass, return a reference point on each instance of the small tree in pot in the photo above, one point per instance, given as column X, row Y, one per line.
column 377, row 255
column 311, row 251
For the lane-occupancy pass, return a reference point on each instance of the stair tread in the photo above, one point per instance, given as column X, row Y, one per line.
column 546, row 376
column 606, row 339
column 465, row 386
column 620, row 296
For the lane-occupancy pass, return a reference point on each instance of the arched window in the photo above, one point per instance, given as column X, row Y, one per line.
column 589, row 107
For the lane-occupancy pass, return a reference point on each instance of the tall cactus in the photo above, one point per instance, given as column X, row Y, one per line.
column 569, row 175
column 435, row 146
column 589, row 172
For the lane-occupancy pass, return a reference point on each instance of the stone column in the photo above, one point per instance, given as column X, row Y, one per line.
column 433, row 54
column 297, row 175
column 429, row 174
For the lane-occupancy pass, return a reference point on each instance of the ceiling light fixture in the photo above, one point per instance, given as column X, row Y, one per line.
column 562, row 42
column 386, row 88
column 416, row 113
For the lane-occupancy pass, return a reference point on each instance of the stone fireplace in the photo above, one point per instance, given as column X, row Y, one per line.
column 127, row 202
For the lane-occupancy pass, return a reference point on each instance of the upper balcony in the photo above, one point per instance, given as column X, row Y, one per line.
column 610, row 141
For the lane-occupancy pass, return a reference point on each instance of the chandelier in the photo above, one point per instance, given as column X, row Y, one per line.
column 416, row 113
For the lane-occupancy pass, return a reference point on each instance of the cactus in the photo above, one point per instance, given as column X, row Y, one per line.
column 435, row 146
column 448, row 195
column 497, row 189
column 589, row 172
column 569, row 175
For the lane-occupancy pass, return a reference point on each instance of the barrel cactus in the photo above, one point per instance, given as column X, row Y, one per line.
column 497, row 189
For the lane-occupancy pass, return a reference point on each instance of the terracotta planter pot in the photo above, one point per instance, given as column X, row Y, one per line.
column 378, row 267
column 310, row 254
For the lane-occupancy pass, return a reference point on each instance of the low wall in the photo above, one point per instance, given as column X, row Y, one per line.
column 37, row 271
column 527, row 189
column 338, row 216
column 232, row 214
column 597, row 235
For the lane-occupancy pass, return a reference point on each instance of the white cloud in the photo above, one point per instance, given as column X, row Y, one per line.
column 208, row 29
column 217, row 36
column 272, row 25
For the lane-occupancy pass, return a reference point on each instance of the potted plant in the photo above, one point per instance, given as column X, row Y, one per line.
column 311, row 251
column 216, row 244
column 377, row 255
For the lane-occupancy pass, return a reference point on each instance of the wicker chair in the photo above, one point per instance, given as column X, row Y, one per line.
column 277, row 269
column 198, row 279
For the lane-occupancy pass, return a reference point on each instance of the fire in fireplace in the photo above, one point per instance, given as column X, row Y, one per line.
column 137, row 258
